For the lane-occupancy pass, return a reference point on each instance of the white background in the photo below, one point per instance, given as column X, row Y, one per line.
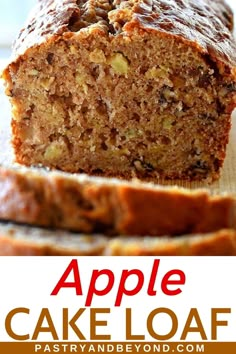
column 28, row 282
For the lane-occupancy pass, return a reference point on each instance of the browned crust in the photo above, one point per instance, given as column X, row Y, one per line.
column 205, row 25
column 86, row 204
column 220, row 243
column 16, row 240
column 175, row 210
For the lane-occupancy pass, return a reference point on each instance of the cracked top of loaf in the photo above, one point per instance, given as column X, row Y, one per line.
column 204, row 24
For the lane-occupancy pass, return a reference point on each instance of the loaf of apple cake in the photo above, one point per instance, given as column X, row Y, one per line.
column 125, row 88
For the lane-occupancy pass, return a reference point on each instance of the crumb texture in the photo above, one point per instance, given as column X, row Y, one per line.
column 125, row 88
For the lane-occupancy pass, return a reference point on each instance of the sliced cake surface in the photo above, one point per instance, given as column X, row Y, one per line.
column 92, row 204
column 124, row 88
column 17, row 240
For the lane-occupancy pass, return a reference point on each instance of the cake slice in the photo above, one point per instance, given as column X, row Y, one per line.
column 23, row 240
column 17, row 240
column 109, row 206
column 124, row 88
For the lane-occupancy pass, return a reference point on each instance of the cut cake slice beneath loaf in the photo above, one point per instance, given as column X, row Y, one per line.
column 18, row 240
column 110, row 206
column 124, row 88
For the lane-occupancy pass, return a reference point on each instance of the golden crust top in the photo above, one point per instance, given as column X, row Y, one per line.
column 204, row 24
